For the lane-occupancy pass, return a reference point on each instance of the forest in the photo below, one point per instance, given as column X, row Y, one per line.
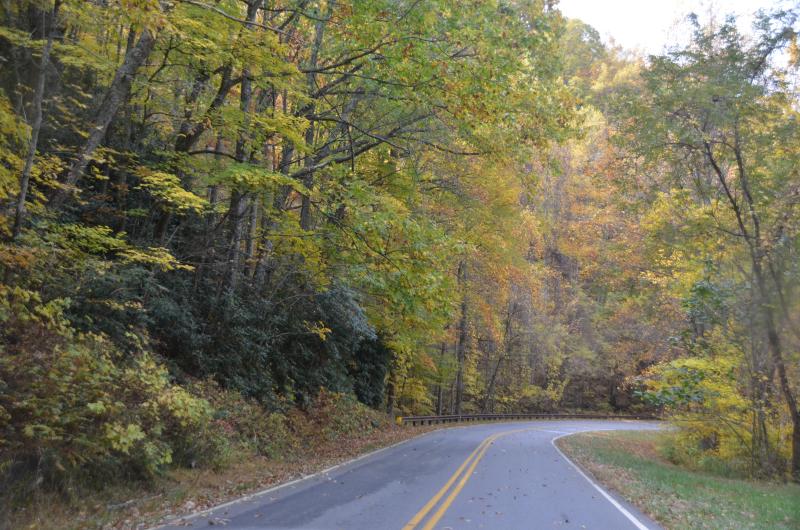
column 217, row 214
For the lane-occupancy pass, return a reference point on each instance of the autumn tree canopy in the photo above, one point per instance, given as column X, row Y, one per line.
column 434, row 207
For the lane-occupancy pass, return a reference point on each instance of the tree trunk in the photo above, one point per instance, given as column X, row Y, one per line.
column 439, row 389
column 461, row 346
column 239, row 201
column 190, row 133
column 116, row 95
column 236, row 212
column 308, row 181
column 776, row 351
column 311, row 79
column 36, row 126
column 796, row 449
column 487, row 400
column 252, row 232
column 758, row 254
column 265, row 248
column 390, row 392
column 751, row 230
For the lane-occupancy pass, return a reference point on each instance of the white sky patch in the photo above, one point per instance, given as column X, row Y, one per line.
column 649, row 25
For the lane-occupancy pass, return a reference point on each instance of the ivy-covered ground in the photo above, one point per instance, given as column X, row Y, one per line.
column 632, row 463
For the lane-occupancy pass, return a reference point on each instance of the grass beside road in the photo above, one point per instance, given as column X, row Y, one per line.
column 629, row 463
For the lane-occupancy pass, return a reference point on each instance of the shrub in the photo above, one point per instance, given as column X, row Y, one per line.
column 715, row 420
column 335, row 415
column 71, row 404
column 247, row 422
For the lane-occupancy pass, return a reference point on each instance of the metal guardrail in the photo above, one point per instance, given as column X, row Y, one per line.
column 457, row 418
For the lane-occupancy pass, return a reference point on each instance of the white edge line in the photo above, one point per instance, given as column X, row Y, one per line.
column 259, row 493
column 632, row 518
column 555, row 432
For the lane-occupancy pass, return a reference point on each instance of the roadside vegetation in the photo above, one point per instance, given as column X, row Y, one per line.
column 218, row 219
column 642, row 467
column 240, row 450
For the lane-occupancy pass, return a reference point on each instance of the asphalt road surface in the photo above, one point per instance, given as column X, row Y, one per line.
column 492, row 476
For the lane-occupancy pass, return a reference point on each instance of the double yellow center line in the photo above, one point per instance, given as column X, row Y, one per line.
column 469, row 465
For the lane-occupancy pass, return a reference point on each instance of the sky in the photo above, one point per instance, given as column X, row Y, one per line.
column 649, row 25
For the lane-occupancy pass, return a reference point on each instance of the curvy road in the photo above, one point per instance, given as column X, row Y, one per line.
column 492, row 476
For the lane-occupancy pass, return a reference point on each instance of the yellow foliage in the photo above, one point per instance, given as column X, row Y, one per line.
column 167, row 189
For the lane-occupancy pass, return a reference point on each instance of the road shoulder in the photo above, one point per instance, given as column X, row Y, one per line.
column 629, row 464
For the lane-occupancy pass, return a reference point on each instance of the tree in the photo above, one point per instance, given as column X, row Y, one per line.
column 719, row 116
